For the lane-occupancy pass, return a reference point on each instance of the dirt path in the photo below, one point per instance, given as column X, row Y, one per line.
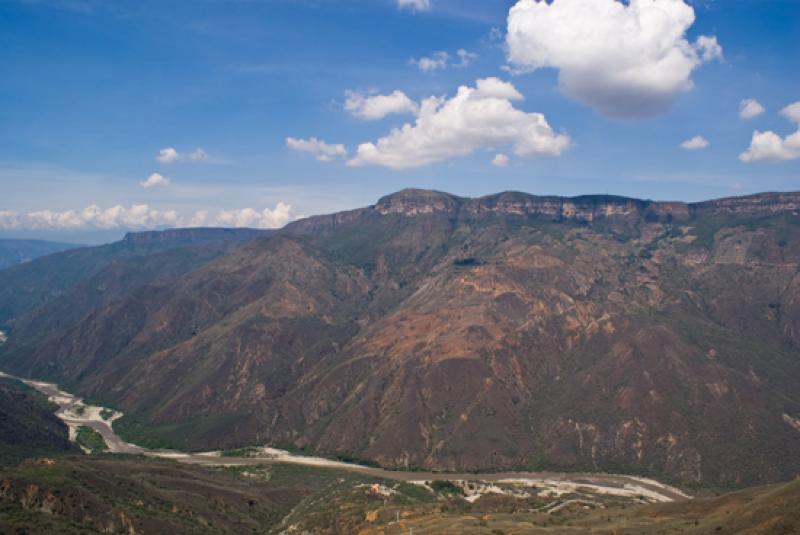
column 75, row 413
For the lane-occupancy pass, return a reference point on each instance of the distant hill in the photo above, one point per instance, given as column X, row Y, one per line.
column 14, row 252
column 109, row 270
column 591, row 333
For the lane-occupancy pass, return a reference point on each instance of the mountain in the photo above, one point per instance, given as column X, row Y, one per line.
column 14, row 252
column 108, row 271
column 429, row 330
column 28, row 425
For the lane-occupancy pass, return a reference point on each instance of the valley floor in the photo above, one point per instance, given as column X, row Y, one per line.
column 76, row 414
column 268, row 491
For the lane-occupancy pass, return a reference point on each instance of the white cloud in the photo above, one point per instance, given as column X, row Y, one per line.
column 622, row 59
column 155, row 180
column 91, row 217
column 415, row 5
column 247, row 217
column 197, row 155
column 750, row 108
column 434, row 62
column 321, row 150
column 198, row 219
column 169, row 155
column 140, row 217
column 792, row 112
column 476, row 117
column 441, row 60
column 488, row 88
column 8, row 220
column 709, row 48
column 500, row 160
column 771, row 146
column 496, row 34
column 464, row 57
column 695, row 143
column 376, row 107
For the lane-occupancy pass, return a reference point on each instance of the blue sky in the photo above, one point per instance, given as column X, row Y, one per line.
column 93, row 90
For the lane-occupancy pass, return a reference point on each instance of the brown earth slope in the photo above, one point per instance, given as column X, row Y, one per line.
column 594, row 333
column 101, row 494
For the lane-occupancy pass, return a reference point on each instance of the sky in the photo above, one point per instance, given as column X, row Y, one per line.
column 120, row 115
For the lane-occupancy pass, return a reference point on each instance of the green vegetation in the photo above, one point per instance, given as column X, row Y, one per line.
column 466, row 262
column 171, row 436
column 142, row 434
column 415, row 493
column 106, row 414
column 116, row 494
column 446, row 487
column 355, row 459
column 91, row 439
column 28, row 425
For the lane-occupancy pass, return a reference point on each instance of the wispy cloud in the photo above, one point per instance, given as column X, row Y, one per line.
column 695, row 143
column 323, row 152
column 442, row 60
column 750, row 108
column 415, row 5
column 169, row 155
column 155, row 180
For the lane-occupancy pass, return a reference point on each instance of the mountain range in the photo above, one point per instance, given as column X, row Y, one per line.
column 13, row 251
column 433, row 331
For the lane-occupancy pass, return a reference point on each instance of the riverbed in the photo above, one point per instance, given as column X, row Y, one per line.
column 76, row 413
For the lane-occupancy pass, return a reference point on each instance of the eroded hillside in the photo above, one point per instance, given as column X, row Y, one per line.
column 511, row 331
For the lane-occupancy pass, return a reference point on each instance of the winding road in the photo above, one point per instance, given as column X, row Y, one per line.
column 75, row 413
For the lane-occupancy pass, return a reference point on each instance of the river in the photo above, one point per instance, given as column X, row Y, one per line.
column 75, row 413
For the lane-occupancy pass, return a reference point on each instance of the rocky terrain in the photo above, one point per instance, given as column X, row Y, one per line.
column 101, row 494
column 431, row 331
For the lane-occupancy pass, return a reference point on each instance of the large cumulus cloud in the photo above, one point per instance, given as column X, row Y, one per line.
column 479, row 117
column 622, row 59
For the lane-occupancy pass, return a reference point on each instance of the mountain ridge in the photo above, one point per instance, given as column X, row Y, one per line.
column 17, row 251
column 438, row 332
column 414, row 201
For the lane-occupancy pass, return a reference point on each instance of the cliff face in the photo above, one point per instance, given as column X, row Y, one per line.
column 764, row 203
column 584, row 208
column 434, row 331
